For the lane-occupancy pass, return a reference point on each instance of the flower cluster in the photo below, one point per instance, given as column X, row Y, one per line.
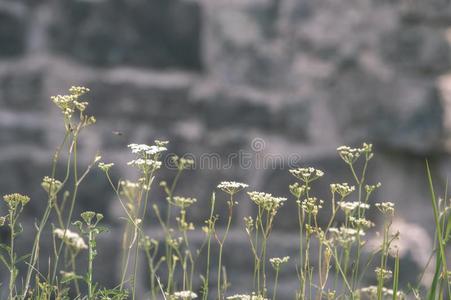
column 348, row 207
column 266, row 201
column 361, row 222
column 68, row 104
column 183, row 202
column 348, row 154
column 311, row 205
column 184, row 295
column 146, row 150
column 129, row 189
column 231, row 187
column 148, row 156
column 371, row 188
column 383, row 273
column 351, row 155
column 343, row 189
column 145, row 165
column 307, row 175
column 13, row 200
column 298, row 190
column 105, row 167
column 345, row 236
column 246, row 297
column 276, row 262
column 51, row 185
column 182, row 163
column 387, row 208
column 371, row 291
column 72, row 239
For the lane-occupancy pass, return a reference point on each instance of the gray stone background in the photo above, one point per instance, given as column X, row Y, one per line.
column 303, row 76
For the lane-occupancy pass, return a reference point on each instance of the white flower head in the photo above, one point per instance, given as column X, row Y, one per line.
column 343, row 189
column 387, row 208
column 311, row 205
column 72, row 239
column 184, row 295
column 345, row 236
column 276, row 262
column 183, row 202
column 348, row 207
column 231, row 187
column 145, row 165
column 307, row 175
column 246, row 297
column 143, row 149
column 267, row 201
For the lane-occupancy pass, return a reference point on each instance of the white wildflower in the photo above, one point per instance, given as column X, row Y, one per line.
column 307, row 174
column 348, row 207
column 361, row 222
column 185, row 295
column 144, row 149
column 104, row 166
column 72, row 239
column 343, row 189
column 386, row 207
column 145, row 165
column 383, row 273
column 345, row 236
column 311, row 205
column 246, row 297
column 231, row 187
column 183, row 202
column 276, row 262
column 266, row 201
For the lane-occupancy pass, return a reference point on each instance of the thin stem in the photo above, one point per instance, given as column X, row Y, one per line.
column 221, row 244
column 275, row 284
column 12, row 263
column 90, row 260
column 210, row 228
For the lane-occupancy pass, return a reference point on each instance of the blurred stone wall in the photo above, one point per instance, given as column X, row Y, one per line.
column 302, row 76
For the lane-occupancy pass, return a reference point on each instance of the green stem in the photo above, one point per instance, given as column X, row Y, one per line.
column 221, row 244
column 210, row 228
column 275, row 284
column 90, row 259
column 12, row 266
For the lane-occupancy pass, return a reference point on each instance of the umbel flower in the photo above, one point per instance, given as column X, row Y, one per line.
column 361, row 222
column 307, row 175
column 231, row 187
column 145, row 165
column 266, row 201
column 387, row 208
column 72, row 239
column 143, row 149
column 348, row 207
column 13, row 200
column 383, row 273
column 298, row 190
column 184, row 295
column 105, row 167
column 276, row 262
column 246, row 297
column 371, row 291
column 183, row 202
column 345, row 236
column 50, row 185
column 343, row 189
column 311, row 205
column 147, row 160
column 72, row 102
